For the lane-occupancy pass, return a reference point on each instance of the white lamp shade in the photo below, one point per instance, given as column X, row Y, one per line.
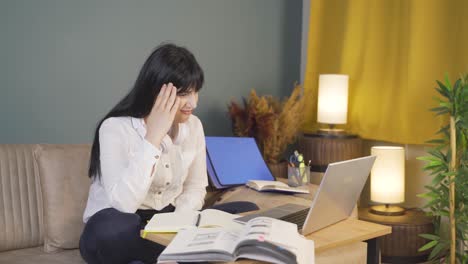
column 388, row 175
column 332, row 99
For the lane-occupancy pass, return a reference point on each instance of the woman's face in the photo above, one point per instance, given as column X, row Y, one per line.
column 188, row 102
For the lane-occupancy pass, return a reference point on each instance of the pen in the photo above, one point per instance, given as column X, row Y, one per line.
column 198, row 220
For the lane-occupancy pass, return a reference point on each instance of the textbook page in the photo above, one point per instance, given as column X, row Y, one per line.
column 201, row 244
column 172, row 222
column 263, row 238
column 218, row 218
column 283, row 235
column 175, row 221
column 275, row 186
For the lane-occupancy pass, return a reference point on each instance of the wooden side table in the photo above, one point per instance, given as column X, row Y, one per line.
column 401, row 246
column 322, row 149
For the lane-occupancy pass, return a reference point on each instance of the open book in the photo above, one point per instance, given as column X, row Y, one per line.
column 262, row 238
column 173, row 222
column 275, row 186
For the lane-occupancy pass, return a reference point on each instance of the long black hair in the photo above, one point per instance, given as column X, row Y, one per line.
column 167, row 63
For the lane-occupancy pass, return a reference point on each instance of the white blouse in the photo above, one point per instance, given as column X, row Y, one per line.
column 127, row 160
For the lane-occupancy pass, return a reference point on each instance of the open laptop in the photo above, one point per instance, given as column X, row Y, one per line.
column 334, row 201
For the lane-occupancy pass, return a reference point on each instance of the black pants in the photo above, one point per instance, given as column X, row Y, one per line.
column 111, row 236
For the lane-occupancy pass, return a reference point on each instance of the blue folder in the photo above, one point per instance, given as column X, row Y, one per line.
column 233, row 161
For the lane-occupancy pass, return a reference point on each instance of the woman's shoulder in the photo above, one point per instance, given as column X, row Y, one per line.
column 113, row 123
column 194, row 122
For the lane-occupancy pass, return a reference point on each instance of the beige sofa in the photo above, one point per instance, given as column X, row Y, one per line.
column 43, row 192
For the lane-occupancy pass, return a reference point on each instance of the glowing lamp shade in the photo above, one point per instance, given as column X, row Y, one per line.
column 388, row 175
column 332, row 99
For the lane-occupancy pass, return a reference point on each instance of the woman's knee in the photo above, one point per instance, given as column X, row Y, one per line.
column 110, row 228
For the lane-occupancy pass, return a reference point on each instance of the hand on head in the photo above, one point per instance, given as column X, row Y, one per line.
column 161, row 117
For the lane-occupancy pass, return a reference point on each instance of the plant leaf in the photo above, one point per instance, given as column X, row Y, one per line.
column 436, row 153
column 456, row 86
column 433, row 164
column 437, row 109
column 445, row 111
column 428, row 195
column 436, row 141
column 437, row 179
column 444, row 213
column 430, row 236
column 436, row 250
column 443, row 129
column 447, row 81
column 443, row 90
column 428, row 158
column 428, row 245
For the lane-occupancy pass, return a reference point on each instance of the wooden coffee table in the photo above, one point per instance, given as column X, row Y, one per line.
column 342, row 234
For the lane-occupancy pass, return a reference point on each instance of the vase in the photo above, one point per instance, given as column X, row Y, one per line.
column 279, row 170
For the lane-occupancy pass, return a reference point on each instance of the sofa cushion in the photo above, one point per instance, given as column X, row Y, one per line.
column 64, row 186
column 20, row 200
column 37, row 255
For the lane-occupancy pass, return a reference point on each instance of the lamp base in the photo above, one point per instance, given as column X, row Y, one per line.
column 387, row 210
column 331, row 131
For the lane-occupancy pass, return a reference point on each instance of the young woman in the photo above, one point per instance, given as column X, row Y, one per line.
column 148, row 156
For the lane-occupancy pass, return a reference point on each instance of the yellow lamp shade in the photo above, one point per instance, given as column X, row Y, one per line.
column 388, row 175
column 332, row 99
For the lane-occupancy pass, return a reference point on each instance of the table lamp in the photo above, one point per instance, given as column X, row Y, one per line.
column 388, row 180
column 328, row 144
column 332, row 106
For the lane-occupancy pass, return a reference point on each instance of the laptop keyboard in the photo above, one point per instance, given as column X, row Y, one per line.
column 297, row 218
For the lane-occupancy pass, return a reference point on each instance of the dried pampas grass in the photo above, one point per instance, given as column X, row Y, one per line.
column 273, row 123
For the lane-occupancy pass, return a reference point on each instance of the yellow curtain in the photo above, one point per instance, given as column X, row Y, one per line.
column 393, row 51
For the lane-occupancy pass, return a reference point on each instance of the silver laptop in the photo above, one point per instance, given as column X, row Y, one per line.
column 334, row 201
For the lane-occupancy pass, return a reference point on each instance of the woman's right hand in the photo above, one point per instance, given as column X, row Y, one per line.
column 161, row 117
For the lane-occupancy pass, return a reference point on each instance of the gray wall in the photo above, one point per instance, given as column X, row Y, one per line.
column 64, row 64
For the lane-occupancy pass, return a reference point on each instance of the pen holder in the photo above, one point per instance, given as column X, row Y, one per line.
column 298, row 176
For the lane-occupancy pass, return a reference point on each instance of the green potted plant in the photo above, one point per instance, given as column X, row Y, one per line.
column 447, row 163
column 273, row 123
